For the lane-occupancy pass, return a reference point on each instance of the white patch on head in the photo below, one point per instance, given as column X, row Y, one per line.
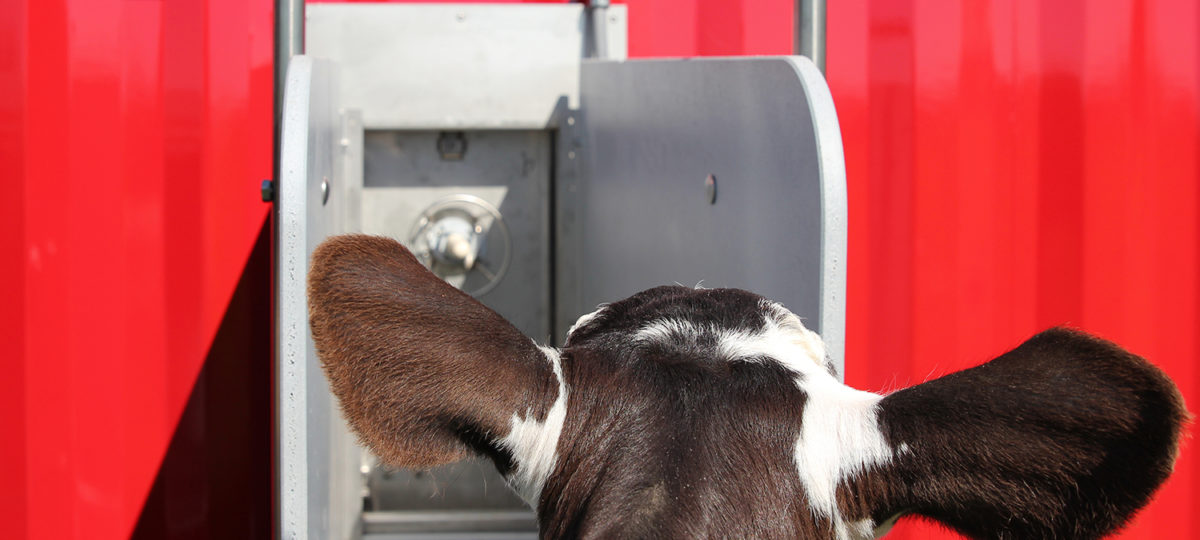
column 839, row 433
column 668, row 331
column 534, row 444
column 586, row 318
column 783, row 339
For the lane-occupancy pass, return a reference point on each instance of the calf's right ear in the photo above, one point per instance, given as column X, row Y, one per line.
column 424, row 373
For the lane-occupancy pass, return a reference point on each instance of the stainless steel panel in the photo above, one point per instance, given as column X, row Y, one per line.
column 466, row 66
column 605, row 31
column 405, row 174
column 633, row 210
column 480, row 535
column 454, row 536
column 449, row 522
column 318, row 462
column 472, row 485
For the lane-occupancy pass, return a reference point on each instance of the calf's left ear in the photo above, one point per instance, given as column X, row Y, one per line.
column 1066, row 436
column 424, row 373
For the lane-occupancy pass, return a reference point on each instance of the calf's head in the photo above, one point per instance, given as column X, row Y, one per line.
column 714, row 413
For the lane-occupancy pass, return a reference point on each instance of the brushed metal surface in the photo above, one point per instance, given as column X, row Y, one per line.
column 317, row 459
column 404, row 175
column 633, row 210
column 466, row 66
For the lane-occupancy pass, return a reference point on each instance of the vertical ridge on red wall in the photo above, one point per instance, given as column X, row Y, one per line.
column 13, row 43
column 1019, row 165
column 1011, row 165
column 49, row 422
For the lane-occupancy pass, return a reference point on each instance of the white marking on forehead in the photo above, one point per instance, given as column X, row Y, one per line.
column 839, row 438
column 783, row 338
column 670, row 331
column 839, row 431
column 586, row 318
column 534, row 445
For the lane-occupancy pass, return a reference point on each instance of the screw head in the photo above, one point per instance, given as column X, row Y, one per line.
column 267, row 190
column 452, row 145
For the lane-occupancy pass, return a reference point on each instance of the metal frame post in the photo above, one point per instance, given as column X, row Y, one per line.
column 809, row 31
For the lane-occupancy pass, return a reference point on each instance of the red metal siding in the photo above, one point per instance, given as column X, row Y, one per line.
column 1017, row 165
column 666, row 28
column 13, row 43
column 1012, row 165
column 134, row 135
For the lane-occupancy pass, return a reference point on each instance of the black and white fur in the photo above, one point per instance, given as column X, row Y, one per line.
column 684, row 413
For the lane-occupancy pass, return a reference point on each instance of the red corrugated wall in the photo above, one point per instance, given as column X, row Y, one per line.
column 1011, row 165
column 133, row 136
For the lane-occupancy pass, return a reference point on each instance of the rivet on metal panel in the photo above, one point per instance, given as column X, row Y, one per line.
column 267, row 190
column 570, row 120
column 710, row 188
column 571, row 154
column 324, row 190
column 452, row 145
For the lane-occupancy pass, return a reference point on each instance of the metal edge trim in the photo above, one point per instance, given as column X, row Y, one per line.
column 291, row 345
column 834, row 209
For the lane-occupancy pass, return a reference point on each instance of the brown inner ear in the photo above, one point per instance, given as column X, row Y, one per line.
column 423, row 372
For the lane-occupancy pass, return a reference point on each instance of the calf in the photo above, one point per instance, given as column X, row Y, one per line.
column 685, row 413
